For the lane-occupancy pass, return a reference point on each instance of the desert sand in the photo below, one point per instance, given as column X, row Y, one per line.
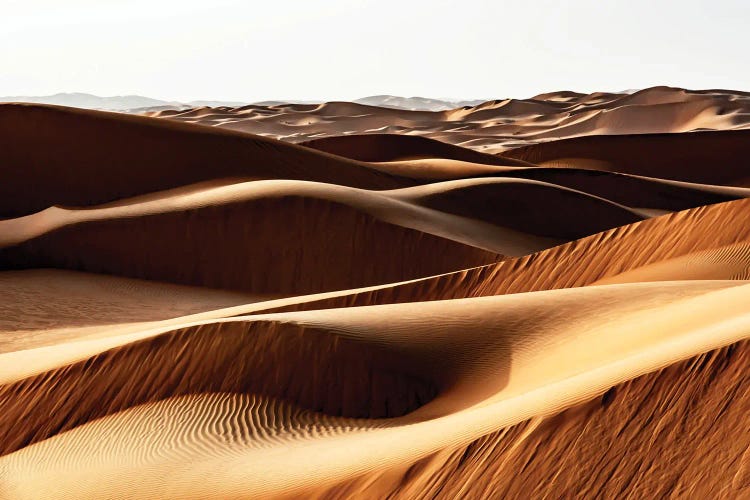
column 540, row 298
column 493, row 126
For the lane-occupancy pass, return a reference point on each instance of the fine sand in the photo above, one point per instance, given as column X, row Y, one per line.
column 540, row 298
column 493, row 126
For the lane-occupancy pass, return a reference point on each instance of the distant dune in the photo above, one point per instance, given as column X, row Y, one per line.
column 89, row 101
column 137, row 103
column 416, row 103
column 538, row 298
column 493, row 126
column 113, row 103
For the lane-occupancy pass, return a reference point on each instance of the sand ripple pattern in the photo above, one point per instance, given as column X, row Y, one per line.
column 472, row 309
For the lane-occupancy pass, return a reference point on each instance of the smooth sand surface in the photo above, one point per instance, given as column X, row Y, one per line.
column 193, row 311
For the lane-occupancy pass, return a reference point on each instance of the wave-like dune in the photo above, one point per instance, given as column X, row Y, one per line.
column 682, row 157
column 66, row 156
column 200, row 312
column 391, row 147
column 490, row 127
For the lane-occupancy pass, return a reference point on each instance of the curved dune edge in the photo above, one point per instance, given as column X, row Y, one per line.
column 401, row 207
column 440, row 169
column 539, row 208
column 42, row 145
column 489, row 127
column 683, row 157
column 675, row 320
column 629, row 249
column 476, row 221
column 271, row 236
column 606, row 257
column 394, row 147
column 587, row 449
column 402, row 318
column 165, row 154
column 583, row 262
column 632, row 190
column 508, row 216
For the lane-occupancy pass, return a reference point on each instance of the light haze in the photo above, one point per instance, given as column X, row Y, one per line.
column 344, row 49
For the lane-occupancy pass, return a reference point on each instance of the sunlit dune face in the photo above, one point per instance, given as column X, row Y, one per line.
column 543, row 298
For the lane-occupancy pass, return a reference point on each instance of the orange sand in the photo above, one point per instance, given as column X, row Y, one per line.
column 200, row 312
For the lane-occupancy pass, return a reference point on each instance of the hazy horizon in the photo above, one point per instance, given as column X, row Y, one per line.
column 293, row 99
column 344, row 50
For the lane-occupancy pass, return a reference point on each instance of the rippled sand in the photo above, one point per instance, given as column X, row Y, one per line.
column 546, row 298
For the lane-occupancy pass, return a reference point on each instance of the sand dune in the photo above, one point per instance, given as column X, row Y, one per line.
column 683, row 157
column 200, row 312
column 390, row 147
column 66, row 156
column 472, row 222
column 47, row 305
column 493, row 126
column 435, row 360
column 610, row 256
column 274, row 232
column 508, row 203
column 633, row 190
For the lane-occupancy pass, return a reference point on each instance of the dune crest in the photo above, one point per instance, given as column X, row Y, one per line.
column 492, row 126
column 543, row 297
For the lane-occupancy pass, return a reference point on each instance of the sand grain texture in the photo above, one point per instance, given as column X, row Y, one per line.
column 544, row 298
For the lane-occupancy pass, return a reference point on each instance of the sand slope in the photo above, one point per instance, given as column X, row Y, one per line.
column 682, row 157
column 493, row 126
column 200, row 312
column 522, row 375
column 67, row 156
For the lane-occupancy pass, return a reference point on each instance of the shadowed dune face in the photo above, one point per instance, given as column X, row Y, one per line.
column 279, row 245
column 391, row 147
column 64, row 156
column 188, row 310
column 591, row 447
column 313, row 369
column 683, row 157
column 511, row 204
column 641, row 250
column 633, row 191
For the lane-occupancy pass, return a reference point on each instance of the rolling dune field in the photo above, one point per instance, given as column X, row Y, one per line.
column 539, row 298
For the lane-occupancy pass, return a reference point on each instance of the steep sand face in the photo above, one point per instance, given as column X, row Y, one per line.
column 193, row 312
column 272, row 235
column 648, row 248
column 637, row 439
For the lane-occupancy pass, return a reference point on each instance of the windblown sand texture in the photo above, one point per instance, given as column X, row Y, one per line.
column 547, row 298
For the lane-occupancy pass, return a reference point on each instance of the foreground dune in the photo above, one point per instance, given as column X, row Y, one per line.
column 200, row 312
column 522, row 370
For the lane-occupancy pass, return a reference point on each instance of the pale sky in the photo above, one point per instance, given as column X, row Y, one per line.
column 344, row 49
